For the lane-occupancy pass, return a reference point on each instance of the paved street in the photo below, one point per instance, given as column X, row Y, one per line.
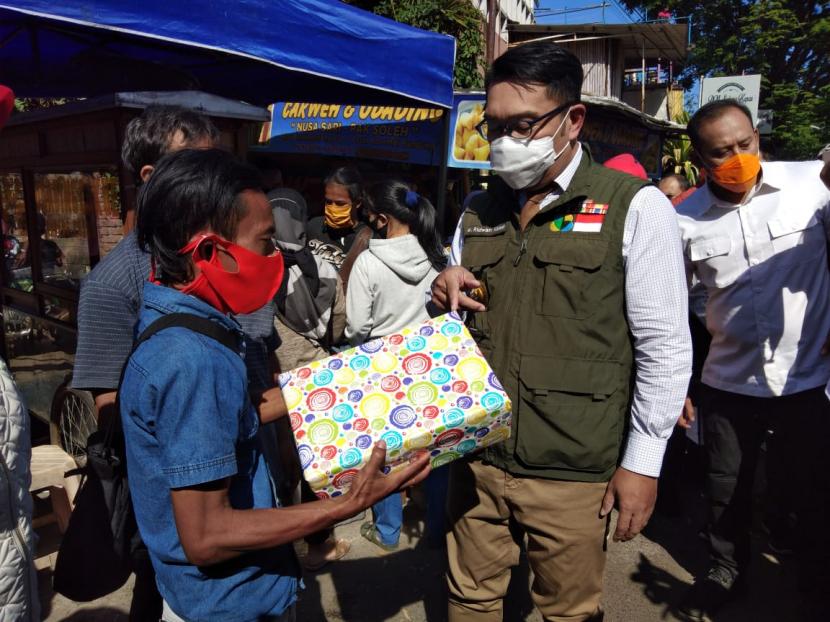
column 644, row 579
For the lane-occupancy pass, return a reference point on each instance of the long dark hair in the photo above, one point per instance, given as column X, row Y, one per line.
column 394, row 198
column 349, row 178
column 188, row 191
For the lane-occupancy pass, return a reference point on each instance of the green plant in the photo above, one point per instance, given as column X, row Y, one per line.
column 457, row 18
column 678, row 153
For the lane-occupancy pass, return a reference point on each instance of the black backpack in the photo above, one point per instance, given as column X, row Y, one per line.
column 94, row 555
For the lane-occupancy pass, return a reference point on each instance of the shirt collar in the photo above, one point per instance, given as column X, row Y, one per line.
column 765, row 185
column 169, row 300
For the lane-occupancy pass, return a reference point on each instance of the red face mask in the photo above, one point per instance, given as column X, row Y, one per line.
column 250, row 288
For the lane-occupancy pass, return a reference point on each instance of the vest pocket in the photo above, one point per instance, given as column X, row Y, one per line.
column 570, row 413
column 569, row 289
column 481, row 256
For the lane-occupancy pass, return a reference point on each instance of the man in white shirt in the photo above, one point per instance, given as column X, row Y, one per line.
column 756, row 238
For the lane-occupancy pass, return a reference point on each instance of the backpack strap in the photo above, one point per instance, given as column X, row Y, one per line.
column 114, row 436
column 197, row 324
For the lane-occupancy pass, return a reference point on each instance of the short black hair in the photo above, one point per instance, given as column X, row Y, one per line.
column 190, row 190
column 350, row 178
column 539, row 62
column 682, row 180
column 148, row 136
column 710, row 111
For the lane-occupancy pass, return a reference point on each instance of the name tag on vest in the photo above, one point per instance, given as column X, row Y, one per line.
column 485, row 231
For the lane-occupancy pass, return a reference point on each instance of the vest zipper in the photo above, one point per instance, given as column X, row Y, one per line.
column 522, row 250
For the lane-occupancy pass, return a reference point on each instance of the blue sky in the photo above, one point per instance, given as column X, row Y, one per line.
column 613, row 15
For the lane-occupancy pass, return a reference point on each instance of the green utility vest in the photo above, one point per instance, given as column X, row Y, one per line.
column 555, row 329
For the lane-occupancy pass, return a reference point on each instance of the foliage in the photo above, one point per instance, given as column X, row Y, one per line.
column 38, row 103
column 458, row 18
column 677, row 153
column 786, row 41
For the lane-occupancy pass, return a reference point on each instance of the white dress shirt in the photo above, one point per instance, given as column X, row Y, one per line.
column 656, row 302
column 764, row 266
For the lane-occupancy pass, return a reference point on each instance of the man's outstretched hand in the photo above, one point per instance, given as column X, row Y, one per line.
column 448, row 290
column 634, row 495
column 371, row 484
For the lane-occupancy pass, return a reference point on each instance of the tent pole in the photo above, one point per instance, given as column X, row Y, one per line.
column 441, row 193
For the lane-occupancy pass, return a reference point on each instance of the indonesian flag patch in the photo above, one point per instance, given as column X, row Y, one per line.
column 590, row 217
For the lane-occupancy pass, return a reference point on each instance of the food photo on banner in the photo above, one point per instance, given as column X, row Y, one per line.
column 467, row 147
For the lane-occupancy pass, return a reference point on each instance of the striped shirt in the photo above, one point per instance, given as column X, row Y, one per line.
column 110, row 300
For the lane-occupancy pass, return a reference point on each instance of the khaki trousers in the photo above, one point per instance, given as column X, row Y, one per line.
column 566, row 543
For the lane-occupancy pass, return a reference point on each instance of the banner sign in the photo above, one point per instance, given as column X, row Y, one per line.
column 408, row 135
column 745, row 89
column 467, row 149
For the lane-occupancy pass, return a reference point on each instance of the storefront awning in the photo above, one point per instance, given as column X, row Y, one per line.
column 259, row 51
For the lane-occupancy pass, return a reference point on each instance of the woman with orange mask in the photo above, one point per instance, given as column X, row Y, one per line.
column 340, row 221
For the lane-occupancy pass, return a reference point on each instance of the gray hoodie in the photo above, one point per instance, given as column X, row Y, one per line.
column 387, row 288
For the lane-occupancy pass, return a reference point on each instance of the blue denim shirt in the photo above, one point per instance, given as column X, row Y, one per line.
column 188, row 420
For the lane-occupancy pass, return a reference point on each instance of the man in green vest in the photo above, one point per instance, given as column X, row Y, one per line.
column 572, row 278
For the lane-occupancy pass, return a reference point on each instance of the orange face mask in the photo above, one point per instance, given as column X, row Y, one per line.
column 738, row 173
column 338, row 216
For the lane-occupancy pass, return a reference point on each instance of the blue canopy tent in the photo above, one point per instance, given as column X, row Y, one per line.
column 259, row 51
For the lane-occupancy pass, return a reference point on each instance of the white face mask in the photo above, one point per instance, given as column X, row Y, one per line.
column 522, row 162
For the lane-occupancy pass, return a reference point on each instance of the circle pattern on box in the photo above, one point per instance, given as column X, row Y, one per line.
column 416, row 364
column 384, row 362
column 390, row 383
column 440, row 375
column 402, row 416
column 453, row 417
column 416, row 343
column 320, row 399
column 449, row 438
column 451, row 329
column 494, row 382
column 471, row 369
column 444, row 458
column 350, row 458
column 425, row 387
column 296, row 421
column 422, row 393
column 418, row 441
column 342, row 413
column 492, row 401
column 306, row 455
column 344, row 478
column 393, row 440
column 292, row 396
column 323, row 377
column 370, row 347
column 374, row 405
column 322, row 432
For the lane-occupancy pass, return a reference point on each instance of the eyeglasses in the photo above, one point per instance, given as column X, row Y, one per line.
column 519, row 129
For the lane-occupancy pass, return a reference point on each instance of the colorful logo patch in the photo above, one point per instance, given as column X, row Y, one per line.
column 563, row 223
column 590, row 207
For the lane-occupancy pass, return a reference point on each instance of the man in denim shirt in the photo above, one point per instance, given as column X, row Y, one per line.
column 203, row 501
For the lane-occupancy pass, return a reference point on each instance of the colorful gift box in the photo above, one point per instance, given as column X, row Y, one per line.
column 426, row 387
